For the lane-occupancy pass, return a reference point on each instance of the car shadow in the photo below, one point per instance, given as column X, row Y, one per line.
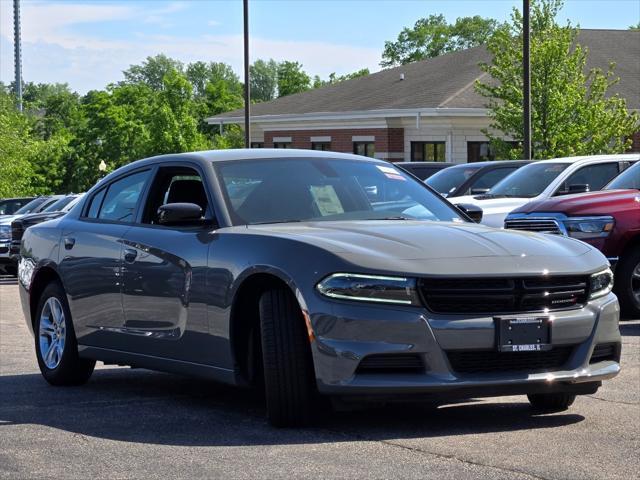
column 630, row 329
column 156, row 408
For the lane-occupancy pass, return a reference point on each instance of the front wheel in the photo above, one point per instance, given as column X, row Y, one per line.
column 551, row 402
column 55, row 341
column 288, row 369
column 627, row 285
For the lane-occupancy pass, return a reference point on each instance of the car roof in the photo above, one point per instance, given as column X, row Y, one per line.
column 425, row 164
column 594, row 158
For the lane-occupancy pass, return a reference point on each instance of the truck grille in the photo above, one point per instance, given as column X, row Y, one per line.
column 503, row 295
column 16, row 231
column 534, row 225
column 391, row 363
column 491, row 361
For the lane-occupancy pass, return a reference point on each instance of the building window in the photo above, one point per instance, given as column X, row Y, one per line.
column 281, row 145
column 366, row 149
column 479, row 152
column 428, row 151
column 257, row 144
column 483, row 151
column 320, row 145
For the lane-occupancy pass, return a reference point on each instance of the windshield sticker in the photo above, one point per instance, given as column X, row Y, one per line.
column 395, row 176
column 326, row 200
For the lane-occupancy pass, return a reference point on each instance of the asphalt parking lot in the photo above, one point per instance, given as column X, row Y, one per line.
column 138, row 424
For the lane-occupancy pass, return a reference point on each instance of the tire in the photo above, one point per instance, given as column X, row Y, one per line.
column 62, row 366
column 627, row 283
column 551, row 402
column 289, row 379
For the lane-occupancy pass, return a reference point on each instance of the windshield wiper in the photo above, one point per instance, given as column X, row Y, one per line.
column 398, row 217
column 276, row 221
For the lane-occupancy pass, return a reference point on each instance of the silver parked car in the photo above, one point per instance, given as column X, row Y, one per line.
column 316, row 275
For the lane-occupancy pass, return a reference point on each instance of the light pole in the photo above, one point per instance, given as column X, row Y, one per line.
column 247, row 88
column 526, row 80
column 17, row 50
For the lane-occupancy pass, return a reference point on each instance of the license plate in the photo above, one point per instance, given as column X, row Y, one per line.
column 523, row 334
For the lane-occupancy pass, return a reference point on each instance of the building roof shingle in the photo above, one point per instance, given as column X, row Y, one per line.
column 447, row 81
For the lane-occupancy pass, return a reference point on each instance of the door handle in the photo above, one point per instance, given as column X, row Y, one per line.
column 69, row 242
column 130, row 255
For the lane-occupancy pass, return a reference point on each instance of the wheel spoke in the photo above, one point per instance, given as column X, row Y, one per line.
column 57, row 311
column 49, row 356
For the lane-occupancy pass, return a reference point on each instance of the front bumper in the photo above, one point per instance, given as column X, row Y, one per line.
column 346, row 333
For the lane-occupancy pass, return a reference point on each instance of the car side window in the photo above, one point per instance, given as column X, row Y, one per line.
column 121, row 198
column 595, row 176
column 95, row 203
column 176, row 185
column 489, row 179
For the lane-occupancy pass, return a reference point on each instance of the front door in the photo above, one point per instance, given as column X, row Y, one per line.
column 164, row 274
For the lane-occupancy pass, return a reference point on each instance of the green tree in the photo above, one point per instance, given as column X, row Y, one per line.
column 333, row 78
column 433, row 36
column 152, row 71
column 17, row 147
column 573, row 111
column 263, row 80
column 200, row 74
column 635, row 27
column 292, row 79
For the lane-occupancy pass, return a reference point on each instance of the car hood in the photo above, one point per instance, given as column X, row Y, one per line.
column 494, row 210
column 595, row 203
column 39, row 217
column 7, row 219
column 441, row 247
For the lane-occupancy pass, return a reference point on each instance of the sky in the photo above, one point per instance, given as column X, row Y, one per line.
column 87, row 44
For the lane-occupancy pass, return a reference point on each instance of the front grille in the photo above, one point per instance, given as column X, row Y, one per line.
column 491, row 361
column 16, row 231
column 391, row 363
column 534, row 225
column 503, row 295
column 605, row 351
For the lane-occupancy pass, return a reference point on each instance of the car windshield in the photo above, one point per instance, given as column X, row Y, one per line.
column 60, row 204
column 31, row 206
column 528, row 181
column 629, row 179
column 448, row 180
column 295, row 190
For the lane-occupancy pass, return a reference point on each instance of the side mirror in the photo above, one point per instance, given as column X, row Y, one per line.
column 179, row 213
column 474, row 212
column 579, row 188
column 479, row 191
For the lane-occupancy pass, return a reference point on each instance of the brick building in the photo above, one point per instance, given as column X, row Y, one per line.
column 427, row 110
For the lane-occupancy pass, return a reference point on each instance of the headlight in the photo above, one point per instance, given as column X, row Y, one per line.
column 600, row 283
column 5, row 232
column 370, row 288
column 589, row 227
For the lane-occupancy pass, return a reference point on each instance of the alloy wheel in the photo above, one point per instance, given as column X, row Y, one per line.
column 635, row 283
column 52, row 333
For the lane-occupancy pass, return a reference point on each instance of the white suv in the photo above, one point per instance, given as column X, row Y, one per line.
column 545, row 179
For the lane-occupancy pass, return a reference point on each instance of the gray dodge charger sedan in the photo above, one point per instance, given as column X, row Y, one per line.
column 315, row 276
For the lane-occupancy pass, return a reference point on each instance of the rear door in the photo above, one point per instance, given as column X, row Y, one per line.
column 91, row 253
column 164, row 273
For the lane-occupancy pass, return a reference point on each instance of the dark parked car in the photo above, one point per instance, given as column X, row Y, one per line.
column 346, row 277
column 8, row 206
column 38, row 204
column 54, row 210
column 472, row 178
column 609, row 220
column 423, row 170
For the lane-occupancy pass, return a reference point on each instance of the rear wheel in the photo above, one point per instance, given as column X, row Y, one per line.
column 551, row 402
column 288, row 370
column 627, row 286
column 55, row 341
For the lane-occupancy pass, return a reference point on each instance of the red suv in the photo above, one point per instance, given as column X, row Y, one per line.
column 609, row 220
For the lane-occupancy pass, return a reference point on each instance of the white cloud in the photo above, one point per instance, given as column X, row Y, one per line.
column 51, row 53
column 213, row 23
